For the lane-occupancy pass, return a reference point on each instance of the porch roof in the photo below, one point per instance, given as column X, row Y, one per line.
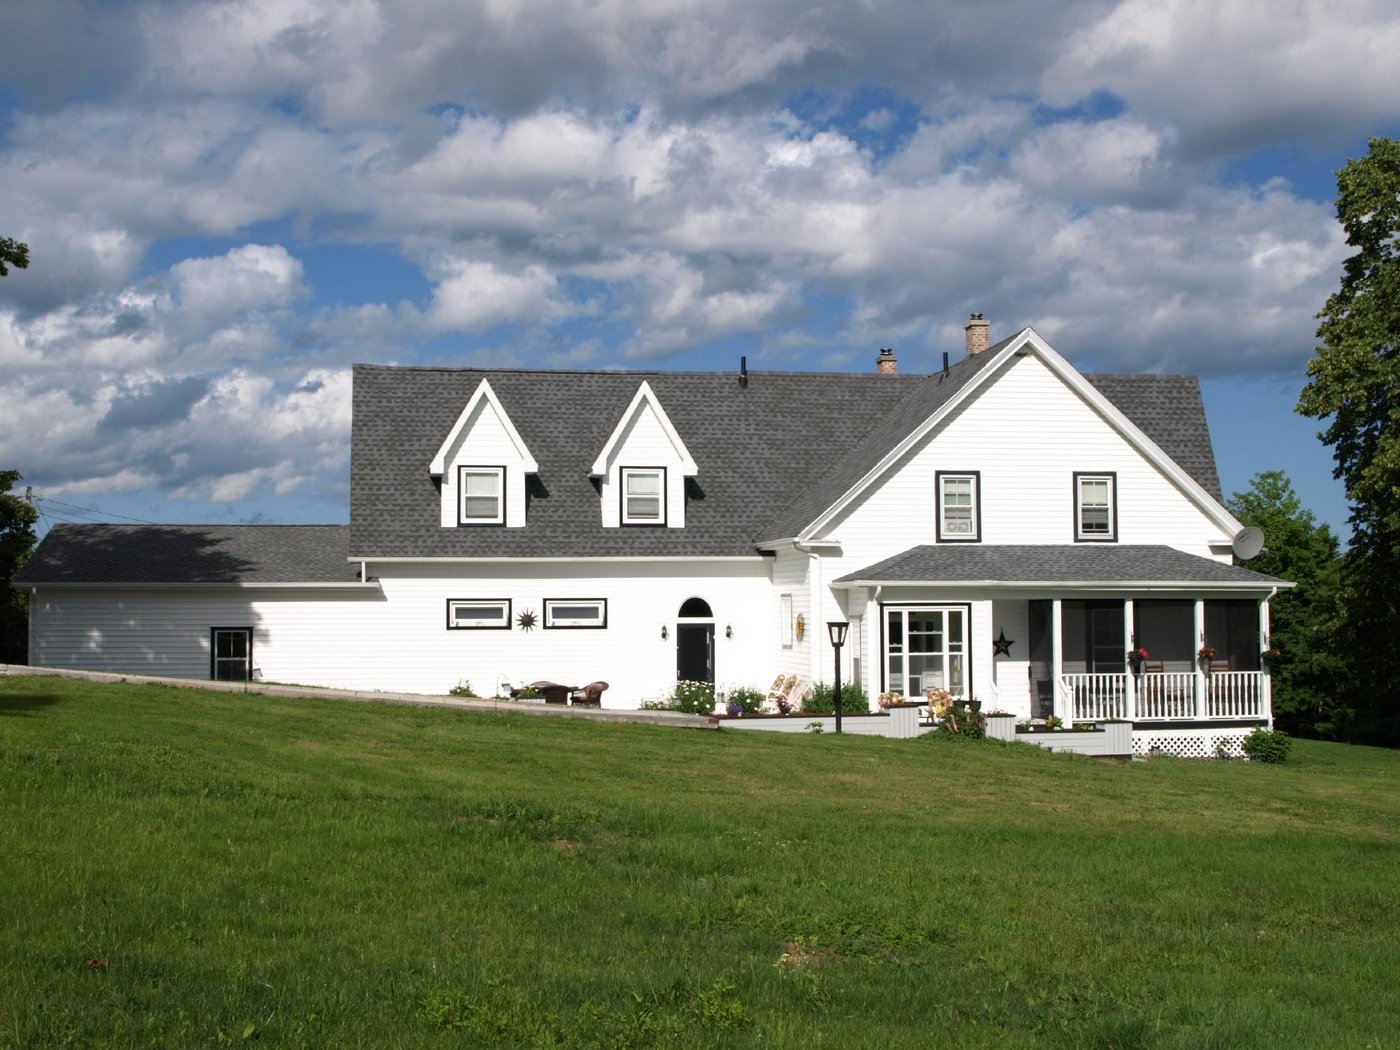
column 1082, row 566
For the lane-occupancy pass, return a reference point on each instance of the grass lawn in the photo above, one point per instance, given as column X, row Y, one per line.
column 185, row 868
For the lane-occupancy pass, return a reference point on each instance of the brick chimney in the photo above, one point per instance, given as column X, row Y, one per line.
column 886, row 364
column 976, row 333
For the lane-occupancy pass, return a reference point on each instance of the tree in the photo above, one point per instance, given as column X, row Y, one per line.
column 1354, row 379
column 16, row 542
column 1310, row 678
column 14, row 253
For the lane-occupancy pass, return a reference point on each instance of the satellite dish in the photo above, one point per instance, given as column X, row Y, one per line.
column 1248, row 542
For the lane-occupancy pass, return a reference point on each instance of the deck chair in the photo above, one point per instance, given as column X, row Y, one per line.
column 590, row 695
column 784, row 698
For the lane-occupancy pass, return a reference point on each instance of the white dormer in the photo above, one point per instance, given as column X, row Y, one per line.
column 483, row 464
column 643, row 467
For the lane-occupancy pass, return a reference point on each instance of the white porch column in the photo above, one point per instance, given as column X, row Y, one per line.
column 1266, row 678
column 1200, row 675
column 1130, row 705
column 1064, row 703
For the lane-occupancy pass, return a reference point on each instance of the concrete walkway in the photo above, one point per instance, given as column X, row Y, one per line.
column 513, row 707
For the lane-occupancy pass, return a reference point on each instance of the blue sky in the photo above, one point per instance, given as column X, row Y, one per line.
column 228, row 203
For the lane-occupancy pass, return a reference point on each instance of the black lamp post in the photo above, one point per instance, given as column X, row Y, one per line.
column 837, row 629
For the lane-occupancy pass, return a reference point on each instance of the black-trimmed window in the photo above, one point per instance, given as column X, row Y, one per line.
column 959, row 506
column 478, row 614
column 576, row 613
column 231, row 654
column 481, row 495
column 643, row 495
column 1095, row 507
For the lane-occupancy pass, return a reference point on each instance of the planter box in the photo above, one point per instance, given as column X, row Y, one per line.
column 1112, row 740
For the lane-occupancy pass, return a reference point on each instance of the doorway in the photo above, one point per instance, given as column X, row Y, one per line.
column 695, row 642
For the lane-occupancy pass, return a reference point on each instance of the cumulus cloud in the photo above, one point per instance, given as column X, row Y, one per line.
column 589, row 184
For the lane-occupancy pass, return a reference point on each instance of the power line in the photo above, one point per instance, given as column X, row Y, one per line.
column 87, row 510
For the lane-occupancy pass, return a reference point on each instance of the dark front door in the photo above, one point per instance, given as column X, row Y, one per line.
column 695, row 652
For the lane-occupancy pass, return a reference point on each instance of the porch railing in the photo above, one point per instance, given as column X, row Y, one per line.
column 1173, row 695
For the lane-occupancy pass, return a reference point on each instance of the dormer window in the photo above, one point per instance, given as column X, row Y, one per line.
column 482, row 495
column 643, row 496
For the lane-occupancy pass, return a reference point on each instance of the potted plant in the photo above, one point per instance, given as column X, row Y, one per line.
column 1137, row 656
column 1270, row 653
column 1206, row 654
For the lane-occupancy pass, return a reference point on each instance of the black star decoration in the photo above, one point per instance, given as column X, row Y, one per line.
column 526, row 620
column 1002, row 645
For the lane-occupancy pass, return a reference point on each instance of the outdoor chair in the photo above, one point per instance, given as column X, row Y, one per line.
column 590, row 695
column 781, row 696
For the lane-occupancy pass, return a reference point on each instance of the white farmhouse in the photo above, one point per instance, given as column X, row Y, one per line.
column 1005, row 528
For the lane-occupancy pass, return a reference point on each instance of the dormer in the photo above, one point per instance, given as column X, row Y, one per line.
column 482, row 466
column 643, row 467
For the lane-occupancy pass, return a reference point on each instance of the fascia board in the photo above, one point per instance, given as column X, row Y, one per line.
column 915, row 436
column 645, row 394
column 1133, row 586
column 1130, row 430
column 610, row 559
column 484, row 392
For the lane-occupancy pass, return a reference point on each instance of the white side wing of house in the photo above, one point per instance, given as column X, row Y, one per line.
column 396, row 638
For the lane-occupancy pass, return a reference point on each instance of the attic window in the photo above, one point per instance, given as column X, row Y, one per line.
column 1095, row 507
column 643, row 496
column 482, row 495
column 959, row 507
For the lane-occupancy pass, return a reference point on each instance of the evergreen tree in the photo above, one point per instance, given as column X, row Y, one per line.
column 16, row 542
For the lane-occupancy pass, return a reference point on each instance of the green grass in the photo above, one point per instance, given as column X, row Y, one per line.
column 183, row 868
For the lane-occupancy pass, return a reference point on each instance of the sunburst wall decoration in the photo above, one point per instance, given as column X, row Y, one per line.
column 526, row 620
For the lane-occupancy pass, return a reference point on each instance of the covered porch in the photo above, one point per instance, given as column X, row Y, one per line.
column 1047, row 632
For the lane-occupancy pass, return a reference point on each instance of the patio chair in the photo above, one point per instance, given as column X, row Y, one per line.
column 590, row 695
column 783, row 697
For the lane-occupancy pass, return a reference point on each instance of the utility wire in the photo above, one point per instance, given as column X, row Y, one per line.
column 88, row 510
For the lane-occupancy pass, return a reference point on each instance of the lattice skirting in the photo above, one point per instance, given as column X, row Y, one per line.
column 1190, row 743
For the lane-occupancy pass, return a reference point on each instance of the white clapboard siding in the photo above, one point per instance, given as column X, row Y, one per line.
column 790, row 576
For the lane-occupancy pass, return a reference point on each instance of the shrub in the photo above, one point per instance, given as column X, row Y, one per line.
column 962, row 721
column 694, row 698
column 749, row 700
column 822, row 700
column 1267, row 745
column 462, row 688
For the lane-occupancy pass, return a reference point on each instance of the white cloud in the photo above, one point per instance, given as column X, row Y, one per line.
column 472, row 295
column 253, row 277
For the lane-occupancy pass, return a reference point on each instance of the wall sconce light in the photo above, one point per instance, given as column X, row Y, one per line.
column 664, row 633
column 728, row 631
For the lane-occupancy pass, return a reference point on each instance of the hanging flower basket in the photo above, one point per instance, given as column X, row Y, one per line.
column 1137, row 656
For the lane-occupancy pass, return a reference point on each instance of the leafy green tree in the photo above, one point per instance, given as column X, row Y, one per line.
column 13, row 253
column 1311, row 676
column 1354, row 381
column 16, row 542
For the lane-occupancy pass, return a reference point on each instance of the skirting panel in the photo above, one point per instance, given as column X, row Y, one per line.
column 1190, row 743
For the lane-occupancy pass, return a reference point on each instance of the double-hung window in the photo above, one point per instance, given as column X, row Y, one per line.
column 643, row 496
column 482, row 495
column 1095, row 507
column 959, row 507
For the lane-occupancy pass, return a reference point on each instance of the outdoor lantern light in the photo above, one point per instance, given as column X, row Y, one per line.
column 837, row 629
column 728, row 631
column 664, row 633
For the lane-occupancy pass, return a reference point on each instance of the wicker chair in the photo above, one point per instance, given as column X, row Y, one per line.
column 590, row 695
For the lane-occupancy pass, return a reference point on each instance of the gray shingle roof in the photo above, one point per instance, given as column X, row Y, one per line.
column 1169, row 410
column 1082, row 563
column 772, row 456
column 153, row 554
